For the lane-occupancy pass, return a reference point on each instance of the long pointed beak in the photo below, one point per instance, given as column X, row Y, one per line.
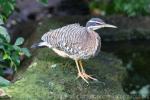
column 109, row 25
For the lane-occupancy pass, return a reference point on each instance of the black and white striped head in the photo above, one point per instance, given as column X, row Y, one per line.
column 97, row 23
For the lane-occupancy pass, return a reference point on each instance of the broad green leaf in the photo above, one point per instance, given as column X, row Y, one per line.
column 6, row 56
column 4, row 32
column 26, row 52
column 4, row 82
column 19, row 41
column 7, row 8
column 17, row 48
column 2, row 39
column 15, row 58
column 11, row 6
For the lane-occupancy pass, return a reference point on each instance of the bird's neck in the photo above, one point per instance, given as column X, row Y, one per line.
column 90, row 30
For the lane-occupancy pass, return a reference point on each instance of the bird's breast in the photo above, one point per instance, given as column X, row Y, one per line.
column 60, row 53
column 93, row 43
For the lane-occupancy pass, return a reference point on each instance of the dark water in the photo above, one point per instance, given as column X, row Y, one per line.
column 136, row 58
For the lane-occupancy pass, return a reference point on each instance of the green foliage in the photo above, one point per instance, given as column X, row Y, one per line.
column 45, row 2
column 3, row 32
column 19, row 41
column 1, row 20
column 125, row 7
column 4, row 82
column 10, row 54
column 6, row 7
column 132, row 7
column 98, row 5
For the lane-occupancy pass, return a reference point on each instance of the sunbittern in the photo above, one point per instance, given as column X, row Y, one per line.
column 76, row 42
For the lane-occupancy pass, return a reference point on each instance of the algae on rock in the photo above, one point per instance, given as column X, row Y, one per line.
column 50, row 77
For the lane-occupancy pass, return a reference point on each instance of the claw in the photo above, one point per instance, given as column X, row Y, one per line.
column 88, row 76
column 85, row 77
column 82, row 74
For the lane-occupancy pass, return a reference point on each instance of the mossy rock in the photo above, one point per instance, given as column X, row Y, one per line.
column 50, row 77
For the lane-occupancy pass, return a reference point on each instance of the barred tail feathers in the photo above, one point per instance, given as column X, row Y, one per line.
column 40, row 45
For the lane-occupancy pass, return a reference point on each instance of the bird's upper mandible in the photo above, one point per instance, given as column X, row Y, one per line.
column 76, row 41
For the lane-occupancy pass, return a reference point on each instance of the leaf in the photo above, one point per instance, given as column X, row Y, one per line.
column 26, row 52
column 15, row 58
column 45, row 2
column 11, row 6
column 6, row 56
column 19, row 41
column 4, row 32
column 17, row 48
column 7, row 7
column 4, row 82
column 2, row 39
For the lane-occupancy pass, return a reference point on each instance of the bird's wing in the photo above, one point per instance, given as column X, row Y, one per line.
column 68, row 38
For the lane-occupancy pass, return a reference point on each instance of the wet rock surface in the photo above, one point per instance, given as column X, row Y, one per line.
column 49, row 76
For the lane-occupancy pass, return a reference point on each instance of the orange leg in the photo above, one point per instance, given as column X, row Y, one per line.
column 79, row 72
column 86, row 76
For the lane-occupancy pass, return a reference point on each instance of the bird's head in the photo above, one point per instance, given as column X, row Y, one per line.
column 97, row 23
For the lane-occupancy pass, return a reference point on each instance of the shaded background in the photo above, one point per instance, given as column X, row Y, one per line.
column 129, row 43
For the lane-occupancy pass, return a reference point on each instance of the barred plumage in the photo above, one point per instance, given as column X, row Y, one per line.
column 76, row 42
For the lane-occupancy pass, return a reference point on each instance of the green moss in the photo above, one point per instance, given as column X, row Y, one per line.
column 50, row 77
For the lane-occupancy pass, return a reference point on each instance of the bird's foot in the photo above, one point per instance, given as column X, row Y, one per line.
column 85, row 77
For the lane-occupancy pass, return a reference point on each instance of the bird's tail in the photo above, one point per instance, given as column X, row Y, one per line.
column 40, row 44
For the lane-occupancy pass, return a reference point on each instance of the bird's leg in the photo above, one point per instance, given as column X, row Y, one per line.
column 79, row 72
column 83, row 72
column 80, row 63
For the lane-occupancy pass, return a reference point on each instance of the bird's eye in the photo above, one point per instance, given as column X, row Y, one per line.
column 100, row 23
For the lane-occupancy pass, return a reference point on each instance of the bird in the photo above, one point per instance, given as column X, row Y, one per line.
column 75, row 42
